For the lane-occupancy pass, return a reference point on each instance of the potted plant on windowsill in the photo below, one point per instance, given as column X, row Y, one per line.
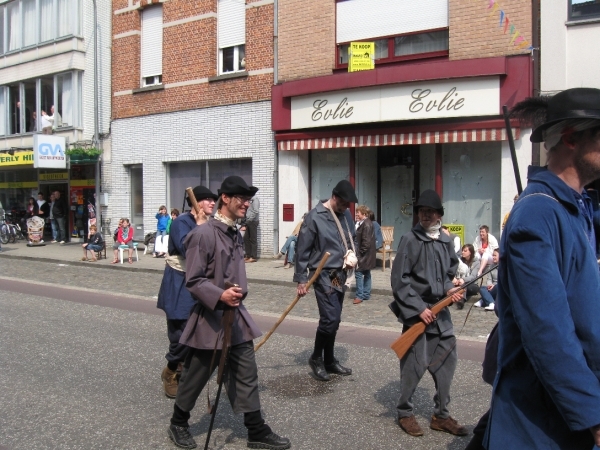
column 80, row 155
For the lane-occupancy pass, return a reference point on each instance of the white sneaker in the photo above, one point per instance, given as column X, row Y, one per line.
column 278, row 255
column 490, row 307
column 53, row 242
column 478, row 304
column 61, row 242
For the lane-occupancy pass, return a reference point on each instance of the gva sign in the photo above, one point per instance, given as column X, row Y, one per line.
column 49, row 152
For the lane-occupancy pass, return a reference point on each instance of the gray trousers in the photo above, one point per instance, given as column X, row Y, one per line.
column 437, row 355
column 241, row 378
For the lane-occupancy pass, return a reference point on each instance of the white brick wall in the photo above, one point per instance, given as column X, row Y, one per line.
column 222, row 132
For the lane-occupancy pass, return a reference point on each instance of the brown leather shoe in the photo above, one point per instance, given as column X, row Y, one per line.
column 448, row 425
column 410, row 425
column 357, row 301
column 170, row 381
column 251, row 260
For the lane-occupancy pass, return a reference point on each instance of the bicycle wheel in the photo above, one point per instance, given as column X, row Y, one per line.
column 4, row 233
column 12, row 237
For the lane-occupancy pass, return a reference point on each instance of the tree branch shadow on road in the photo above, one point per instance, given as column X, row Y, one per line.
column 227, row 428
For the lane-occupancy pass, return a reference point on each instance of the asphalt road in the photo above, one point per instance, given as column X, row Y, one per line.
column 82, row 370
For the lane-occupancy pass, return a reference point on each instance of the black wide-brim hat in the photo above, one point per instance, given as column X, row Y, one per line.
column 576, row 103
column 201, row 193
column 235, row 185
column 345, row 191
column 430, row 199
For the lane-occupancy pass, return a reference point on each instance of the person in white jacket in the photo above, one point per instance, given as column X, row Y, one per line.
column 484, row 246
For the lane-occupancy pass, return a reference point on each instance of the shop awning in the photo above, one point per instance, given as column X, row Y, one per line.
column 379, row 140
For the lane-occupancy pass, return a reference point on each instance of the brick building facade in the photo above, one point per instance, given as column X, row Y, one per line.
column 394, row 131
column 207, row 110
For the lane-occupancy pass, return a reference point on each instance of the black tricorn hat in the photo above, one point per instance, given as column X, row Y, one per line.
column 345, row 191
column 235, row 185
column 201, row 192
column 576, row 103
column 430, row 199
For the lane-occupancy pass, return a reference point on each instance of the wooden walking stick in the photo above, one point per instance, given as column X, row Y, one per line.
column 289, row 308
column 190, row 192
column 408, row 338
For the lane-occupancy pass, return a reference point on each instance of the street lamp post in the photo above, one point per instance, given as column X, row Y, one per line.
column 96, row 124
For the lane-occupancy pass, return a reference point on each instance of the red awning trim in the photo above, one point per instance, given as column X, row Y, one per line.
column 380, row 140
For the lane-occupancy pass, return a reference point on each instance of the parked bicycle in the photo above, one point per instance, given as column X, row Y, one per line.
column 10, row 230
column 4, row 230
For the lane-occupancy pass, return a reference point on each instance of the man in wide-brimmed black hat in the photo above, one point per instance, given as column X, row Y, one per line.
column 327, row 228
column 173, row 298
column 547, row 388
column 422, row 275
column 216, row 278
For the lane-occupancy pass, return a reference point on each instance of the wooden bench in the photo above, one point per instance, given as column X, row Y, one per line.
column 386, row 248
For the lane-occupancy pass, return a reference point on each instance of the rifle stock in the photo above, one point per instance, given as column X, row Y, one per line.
column 408, row 338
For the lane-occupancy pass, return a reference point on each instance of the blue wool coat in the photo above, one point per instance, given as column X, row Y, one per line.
column 173, row 297
column 547, row 389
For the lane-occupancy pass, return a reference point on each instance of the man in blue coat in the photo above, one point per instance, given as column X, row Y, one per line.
column 547, row 388
column 173, row 297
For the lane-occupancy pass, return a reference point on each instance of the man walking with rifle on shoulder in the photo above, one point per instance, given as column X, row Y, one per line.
column 216, row 277
column 422, row 275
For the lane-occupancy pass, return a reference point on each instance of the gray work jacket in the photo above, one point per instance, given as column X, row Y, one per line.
column 421, row 276
column 214, row 256
column 319, row 234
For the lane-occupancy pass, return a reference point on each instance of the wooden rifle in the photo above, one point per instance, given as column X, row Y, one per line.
column 408, row 338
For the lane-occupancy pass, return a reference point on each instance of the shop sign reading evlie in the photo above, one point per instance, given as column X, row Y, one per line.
column 407, row 101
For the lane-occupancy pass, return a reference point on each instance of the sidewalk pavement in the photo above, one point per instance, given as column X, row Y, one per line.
column 265, row 270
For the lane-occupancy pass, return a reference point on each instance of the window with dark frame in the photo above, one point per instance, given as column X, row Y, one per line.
column 584, row 9
column 428, row 44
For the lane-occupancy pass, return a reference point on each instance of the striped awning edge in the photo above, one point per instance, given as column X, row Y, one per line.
column 379, row 140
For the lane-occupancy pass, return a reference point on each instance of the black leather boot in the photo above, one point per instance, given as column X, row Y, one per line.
column 337, row 368
column 318, row 369
column 271, row 441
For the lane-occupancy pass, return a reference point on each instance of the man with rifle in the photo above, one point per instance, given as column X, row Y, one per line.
column 216, row 277
column 422, row 275
column 547, row 387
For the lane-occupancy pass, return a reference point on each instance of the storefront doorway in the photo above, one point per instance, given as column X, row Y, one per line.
column 398, row 182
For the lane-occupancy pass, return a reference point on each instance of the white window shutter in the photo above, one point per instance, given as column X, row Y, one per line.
column 365, row 19
column 152, row 41
column 231, row 23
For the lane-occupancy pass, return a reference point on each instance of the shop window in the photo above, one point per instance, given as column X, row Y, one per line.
column 430, row 44
column 16, row 187
column 584, row 9
column 328, row 167
column 30, row 101
column 233, row 59
column 152, row 43
column 137, row 197
column 207, row 173
column 2, row 111
column 32, row 22
column 58, row 98
column 231, row 35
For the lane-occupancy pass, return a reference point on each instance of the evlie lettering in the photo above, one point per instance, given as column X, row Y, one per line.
column 341, row 111
column 449, row 102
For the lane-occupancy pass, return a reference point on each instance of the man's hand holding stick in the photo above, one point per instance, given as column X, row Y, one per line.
column 298, row 296
column 197, row 212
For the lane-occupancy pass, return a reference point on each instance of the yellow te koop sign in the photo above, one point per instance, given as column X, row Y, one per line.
column 361, row 56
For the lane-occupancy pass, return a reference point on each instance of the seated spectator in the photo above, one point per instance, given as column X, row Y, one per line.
column 289, row 248
column 454, row 239
column 488, row 292
column 174, row 215
column 160, row 244
column 124, row 237
column 468, row 268
column 376, row 230
column 93, row 245
column 508, row 213
column 484, row 245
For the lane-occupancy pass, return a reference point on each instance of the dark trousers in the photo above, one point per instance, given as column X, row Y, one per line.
column 330, row 302
column 241, row 378
column 61, row 234
column 177, row 352
column 251, row 239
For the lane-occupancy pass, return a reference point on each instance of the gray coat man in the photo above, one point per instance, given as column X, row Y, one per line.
column 214, row 261
column 422, row 275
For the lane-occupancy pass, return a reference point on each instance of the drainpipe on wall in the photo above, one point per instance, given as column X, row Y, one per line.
column 535, row 56
column 96, row 125
column 276, row 154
